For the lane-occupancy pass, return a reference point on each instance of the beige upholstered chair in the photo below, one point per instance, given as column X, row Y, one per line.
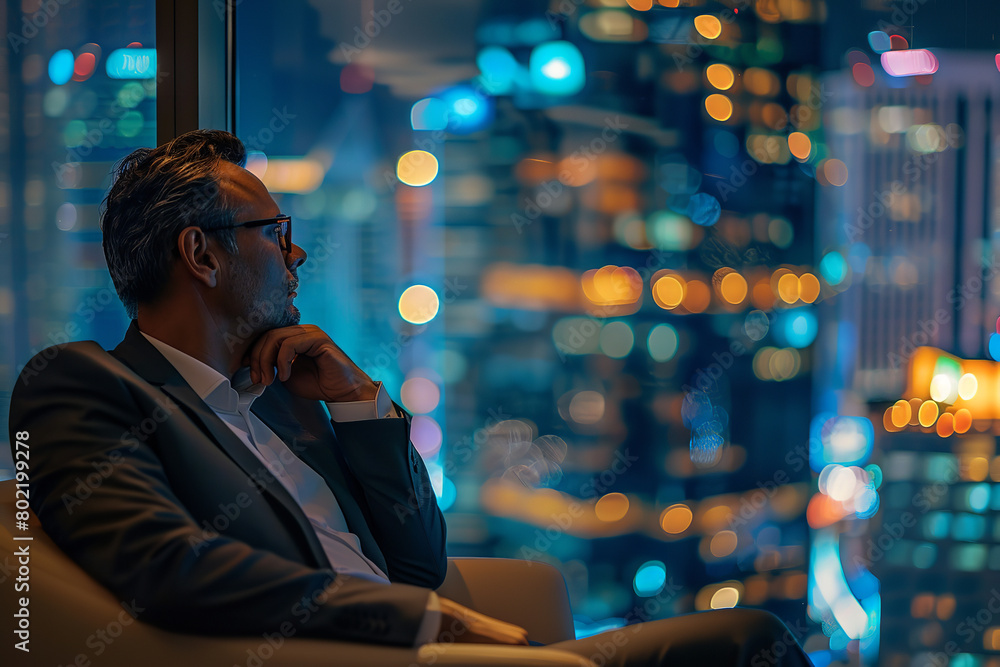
column 73, row 619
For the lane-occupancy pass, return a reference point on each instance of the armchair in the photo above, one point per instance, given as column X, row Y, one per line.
column 76, row 621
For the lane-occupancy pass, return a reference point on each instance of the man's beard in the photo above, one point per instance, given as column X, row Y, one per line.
column 264, row 309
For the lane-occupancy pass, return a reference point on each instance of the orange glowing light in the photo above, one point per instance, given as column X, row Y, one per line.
column 698, row 297
column 641, row 5
column 676, row 519
column 668, row 292
column 901, row 413
column 708, row 26
column 789, row 288
column 721, row 76
column 946, row 425
column 612, row 507
column 719, row 107
column 963, row 420
column 799, row 145
column 733, row 288
column 835, row 172
column 808, row 287
column 928, row 413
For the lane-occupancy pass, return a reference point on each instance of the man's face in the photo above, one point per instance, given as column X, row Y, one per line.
column 259, row 280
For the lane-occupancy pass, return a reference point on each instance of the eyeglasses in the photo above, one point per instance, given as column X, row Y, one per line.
column 284, row 221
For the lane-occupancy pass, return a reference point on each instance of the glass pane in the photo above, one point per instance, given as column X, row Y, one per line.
column 80, row 81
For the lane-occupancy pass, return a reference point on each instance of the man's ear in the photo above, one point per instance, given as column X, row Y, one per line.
column 198, row 257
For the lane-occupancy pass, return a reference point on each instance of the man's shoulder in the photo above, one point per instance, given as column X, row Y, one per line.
column 83, row 359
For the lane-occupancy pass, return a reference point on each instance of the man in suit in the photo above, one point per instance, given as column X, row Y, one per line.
column 235, row 472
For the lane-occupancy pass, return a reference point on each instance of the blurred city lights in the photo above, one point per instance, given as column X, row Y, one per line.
column 425, row 434
column 612, row 507
column 586, row 407
column 799, row 145
column 911, row 62
column 719, row 107
column 131, row 64
column 662, row 342
column 61, row 66
column 726, row 597
column 420, row 395
column 833, row 267
column 417, row 168
column 721, row 76
column 418, row 304
column 800, row 328
column 557, row 68
column 498, row 69
column 429, row 113
column 616, row 339
column 708, row 26
column 879, row 41
column 676, row 519
column 650, row 578
column 467, row 110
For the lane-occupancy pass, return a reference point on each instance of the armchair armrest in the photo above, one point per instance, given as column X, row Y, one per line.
column 526, row 593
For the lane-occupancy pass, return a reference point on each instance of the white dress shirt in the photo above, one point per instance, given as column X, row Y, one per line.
column 231, row 402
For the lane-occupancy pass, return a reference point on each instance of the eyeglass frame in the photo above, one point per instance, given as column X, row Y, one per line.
column 284, row 220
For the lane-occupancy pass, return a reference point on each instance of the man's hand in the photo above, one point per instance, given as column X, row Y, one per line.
column 461, row 624
column 309, row 364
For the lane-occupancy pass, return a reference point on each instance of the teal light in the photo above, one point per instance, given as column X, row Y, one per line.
column 498, row 69
column 924, row 555
column 650, row 579
column 833, row 267
column 131, row 64
column 557, row 68
column 448, row 494
column 429, row 113
column 978, row 497
column 61, row 66
column 662, row 342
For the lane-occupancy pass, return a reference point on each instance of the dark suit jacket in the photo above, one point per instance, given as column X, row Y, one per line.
column 139, row 482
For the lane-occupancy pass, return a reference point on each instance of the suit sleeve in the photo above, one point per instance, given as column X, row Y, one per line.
column 104, row 498
column 405, row 518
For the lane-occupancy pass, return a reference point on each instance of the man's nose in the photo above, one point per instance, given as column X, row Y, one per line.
column 295, row 258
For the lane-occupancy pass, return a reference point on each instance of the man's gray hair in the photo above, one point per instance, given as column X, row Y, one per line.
column 157, row 192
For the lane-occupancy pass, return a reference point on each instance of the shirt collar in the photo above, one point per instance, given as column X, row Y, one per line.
column 221, row 394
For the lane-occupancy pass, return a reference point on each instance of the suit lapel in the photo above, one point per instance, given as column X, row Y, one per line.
column 147, row 362
column 306, row 428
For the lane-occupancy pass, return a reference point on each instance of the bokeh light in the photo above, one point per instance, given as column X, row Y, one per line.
column 418, row 304
column 420, row 395
column 662, row 342
column 708, row 26
column 721, row 76
column 417, row 168
column 676, row 519
column 719, row 107
column 612, row 507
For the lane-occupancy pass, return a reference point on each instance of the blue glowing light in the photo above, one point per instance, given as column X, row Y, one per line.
column 833, row 267
column 879, row 41
column 429, row 113
column 448, row 494
column 995, row 346
column 557, row 68
column 800, row 327
column 498, row 69
column 844, row 440
column 467, row 109
column 61, row 66
column 131, row 64
column 979, row 497
column 704, row 209
column 866, row 504
column 650, row 579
